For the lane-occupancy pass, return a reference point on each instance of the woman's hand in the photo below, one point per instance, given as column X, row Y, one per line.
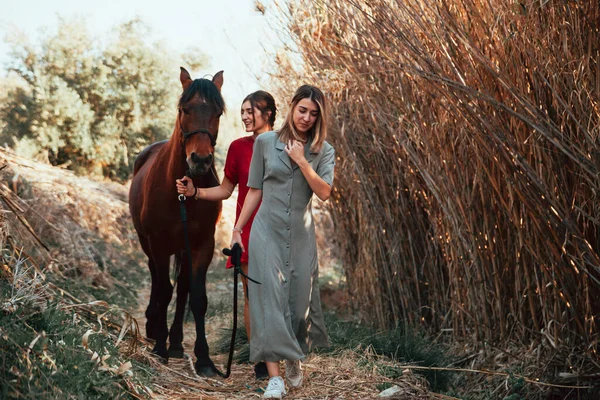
column 184, row 188
column 236, row 237
column 295, row 149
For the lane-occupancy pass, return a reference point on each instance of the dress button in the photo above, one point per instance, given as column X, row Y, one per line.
column 287, row 211
column 289, row 194
column 288, row 228
column 291, row 175
column 287, row 245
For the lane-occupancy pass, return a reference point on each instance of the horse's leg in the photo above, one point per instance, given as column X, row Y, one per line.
column 198, row 303
column 163, row 296
column 183, row 286
column 152, row 309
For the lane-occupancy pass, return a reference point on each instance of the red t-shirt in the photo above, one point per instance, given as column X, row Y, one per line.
column 237, row 167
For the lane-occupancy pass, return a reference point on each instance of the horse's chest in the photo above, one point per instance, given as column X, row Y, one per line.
column 200, row 219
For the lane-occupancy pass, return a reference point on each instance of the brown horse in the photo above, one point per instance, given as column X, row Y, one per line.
column 154, row 208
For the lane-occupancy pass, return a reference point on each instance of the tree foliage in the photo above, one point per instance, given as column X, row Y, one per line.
column 88, row 103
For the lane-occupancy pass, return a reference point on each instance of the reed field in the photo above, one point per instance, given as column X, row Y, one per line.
column 468, row 168
column 459, row 251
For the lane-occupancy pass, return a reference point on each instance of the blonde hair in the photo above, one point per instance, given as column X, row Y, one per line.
column 319, row 130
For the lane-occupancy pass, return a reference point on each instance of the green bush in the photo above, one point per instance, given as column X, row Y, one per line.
column 87, row 105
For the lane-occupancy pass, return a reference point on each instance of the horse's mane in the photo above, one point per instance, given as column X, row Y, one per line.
column 206, row 89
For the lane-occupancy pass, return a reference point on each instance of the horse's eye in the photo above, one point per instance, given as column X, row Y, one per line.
column 185, row 111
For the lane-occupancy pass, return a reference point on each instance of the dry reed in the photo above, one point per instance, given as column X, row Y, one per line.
column 468, row 167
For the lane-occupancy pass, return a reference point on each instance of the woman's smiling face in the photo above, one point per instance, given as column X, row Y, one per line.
column 253, row 118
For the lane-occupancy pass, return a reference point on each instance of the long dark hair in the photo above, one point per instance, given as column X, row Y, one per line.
column 265, row 103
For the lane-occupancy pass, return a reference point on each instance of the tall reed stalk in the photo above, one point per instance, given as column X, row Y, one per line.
column 468, row 169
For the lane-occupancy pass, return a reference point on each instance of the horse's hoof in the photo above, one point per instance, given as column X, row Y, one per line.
column 260, row 370
column 162, row 353
column 176, row 352
column 206, row 371
column 162, row 359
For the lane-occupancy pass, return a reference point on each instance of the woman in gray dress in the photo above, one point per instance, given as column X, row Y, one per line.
column 287, row 167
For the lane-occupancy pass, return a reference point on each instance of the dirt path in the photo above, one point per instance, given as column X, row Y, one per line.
column 335, row 376
column 331, row 376
column 74, row 210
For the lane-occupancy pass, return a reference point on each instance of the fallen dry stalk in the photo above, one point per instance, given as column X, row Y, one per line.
column 496, row 373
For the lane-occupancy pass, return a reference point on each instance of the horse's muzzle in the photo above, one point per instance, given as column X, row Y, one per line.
column 200, row 165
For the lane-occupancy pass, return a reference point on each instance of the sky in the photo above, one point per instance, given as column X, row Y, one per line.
column 230, row 32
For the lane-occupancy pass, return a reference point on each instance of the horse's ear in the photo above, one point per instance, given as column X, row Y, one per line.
column 218, row 80
column 185, row 78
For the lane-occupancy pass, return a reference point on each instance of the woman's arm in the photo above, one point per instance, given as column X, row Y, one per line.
column 322, row 189
column 252, row 201
column 316, row 183
column 216, row 193
column 221, row 192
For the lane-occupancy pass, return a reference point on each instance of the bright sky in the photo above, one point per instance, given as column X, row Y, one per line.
column 230, row 32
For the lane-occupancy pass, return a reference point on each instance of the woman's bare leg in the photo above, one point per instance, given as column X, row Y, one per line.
column 273, row 368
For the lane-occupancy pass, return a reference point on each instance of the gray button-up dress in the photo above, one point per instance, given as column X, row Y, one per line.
column 285, row 310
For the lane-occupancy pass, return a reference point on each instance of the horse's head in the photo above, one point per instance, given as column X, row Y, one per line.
column 199, row 110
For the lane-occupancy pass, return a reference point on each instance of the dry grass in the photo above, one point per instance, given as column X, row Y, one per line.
column 50, row 235
column 326, row 377
column 78, row 227
column 65, row 242
column 468, row 166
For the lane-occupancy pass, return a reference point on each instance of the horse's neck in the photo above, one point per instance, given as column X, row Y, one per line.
column 174, row 164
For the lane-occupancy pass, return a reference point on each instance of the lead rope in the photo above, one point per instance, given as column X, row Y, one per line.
column 188, row 250
column 236, row 255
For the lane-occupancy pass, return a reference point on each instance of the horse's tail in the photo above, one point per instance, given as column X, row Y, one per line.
column 178, row 257
column 177, row 286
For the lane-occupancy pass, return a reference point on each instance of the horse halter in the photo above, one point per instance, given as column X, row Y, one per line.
column 187, row 135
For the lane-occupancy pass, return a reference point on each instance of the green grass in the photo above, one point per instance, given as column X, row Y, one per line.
column 402, row 344
column 56, row 366
column 514, row 387
column 129, row 276
column 242, row 348
column 41, row 351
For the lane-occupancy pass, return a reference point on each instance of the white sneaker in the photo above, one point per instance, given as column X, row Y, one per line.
column 293, row 373
column 275, row 388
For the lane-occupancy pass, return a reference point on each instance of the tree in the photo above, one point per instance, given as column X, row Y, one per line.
column 90, row 105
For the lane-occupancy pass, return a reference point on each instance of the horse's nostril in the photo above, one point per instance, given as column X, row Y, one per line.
column 201, row 162
column 195, row 158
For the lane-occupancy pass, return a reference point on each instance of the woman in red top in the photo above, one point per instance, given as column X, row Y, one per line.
column 258, row 115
